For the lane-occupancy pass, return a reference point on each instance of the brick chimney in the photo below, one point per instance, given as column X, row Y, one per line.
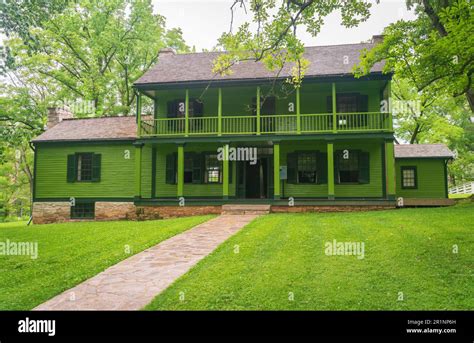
column 57, row 114
column 376, row 39
column 167, row 51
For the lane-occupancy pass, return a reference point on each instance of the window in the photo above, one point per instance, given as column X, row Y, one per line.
column 409, row 177
column 307, row 168
column 83, row 210
column 349, row 167
column 346, row 103
column 177, row 108
column 212, row 169
column 83, row 167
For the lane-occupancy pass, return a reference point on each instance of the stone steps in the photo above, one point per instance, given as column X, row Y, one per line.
column 245, row 209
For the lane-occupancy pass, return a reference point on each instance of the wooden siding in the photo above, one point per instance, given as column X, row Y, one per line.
column 117, row 173
column 430, row 178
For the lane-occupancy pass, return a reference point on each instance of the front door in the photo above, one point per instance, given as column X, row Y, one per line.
column 253, row 179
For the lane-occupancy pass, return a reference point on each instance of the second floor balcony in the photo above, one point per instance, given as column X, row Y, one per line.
column 315, row 108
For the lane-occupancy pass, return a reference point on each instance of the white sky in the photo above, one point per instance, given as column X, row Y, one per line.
column 203, row 21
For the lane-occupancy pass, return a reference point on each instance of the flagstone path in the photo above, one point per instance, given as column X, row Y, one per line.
column 134, row 282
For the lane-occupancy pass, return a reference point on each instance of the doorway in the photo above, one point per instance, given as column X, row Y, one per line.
column 253, row 180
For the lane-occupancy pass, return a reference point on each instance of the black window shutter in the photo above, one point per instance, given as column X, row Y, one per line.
column 171, row 168
column 269, row 106
column 364, row 167
column 71, row 168
column 322, row 165
column 96, row 162
column 198, row 108
column 363, row 103
column 197, row 168
column 337, row 157
column 230, row 171
column 172, row 109
column 329, row 104
column 292, row 167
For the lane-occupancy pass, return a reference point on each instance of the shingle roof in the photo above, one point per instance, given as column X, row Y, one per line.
column 422, row 151
column 105, row 128
column 324, row 61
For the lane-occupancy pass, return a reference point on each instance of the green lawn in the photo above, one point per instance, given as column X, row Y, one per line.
column 278, row 262
column 73, row 252
column 459, row 196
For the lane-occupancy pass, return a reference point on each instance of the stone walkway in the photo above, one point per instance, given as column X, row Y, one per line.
column 134, row 282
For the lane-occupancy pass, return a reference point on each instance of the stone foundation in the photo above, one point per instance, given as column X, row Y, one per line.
column 159, row 212
column 115, row 210
column 51, row 212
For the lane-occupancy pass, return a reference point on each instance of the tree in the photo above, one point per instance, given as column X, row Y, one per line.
column 94, row 51
column 274, row 41
column 435, row 51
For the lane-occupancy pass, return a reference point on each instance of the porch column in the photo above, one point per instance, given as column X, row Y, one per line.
column 138, row 170
column 298, row 114
column 155, row 115
column 334, row 108
column 186, row 114
column 390, row 171
column 180, row 190
column 330, row 153
column 139, row 114
column 225, row 173
column 258, row 110
column 276, row 170
column 219, row 112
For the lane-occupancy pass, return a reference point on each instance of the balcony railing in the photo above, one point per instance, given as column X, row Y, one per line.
column 268, row 124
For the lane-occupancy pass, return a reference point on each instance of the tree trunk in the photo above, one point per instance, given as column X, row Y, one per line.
column 470, row 98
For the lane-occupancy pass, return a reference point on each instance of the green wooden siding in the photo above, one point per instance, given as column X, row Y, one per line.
column 373, row 189
column 117, row 173
column 430, row 178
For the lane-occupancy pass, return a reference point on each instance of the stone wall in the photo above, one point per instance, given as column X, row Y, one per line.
column 106, row 210
column 51, row 212
column 158, row 212
column 309, row 208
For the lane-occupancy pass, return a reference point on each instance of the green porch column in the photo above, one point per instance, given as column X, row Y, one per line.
column 330, row 153
column 334, row 108
column 390, row 172
column 186, row 114
column 298, row 114
column 180, row 189
column 219, row 112
column 155, row 115
column 389, row 97
column 225, row 172
column 258, row 110
column 138, row 170
column 139, row 115
column 276, row 170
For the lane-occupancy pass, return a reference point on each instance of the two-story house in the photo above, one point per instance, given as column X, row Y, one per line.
column 201, row 140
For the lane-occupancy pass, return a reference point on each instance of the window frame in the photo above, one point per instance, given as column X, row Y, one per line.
column 352, row 153
column 415, row 177
column 308, row 154
column 73, row 209
column 207, row 170
column 79, row 172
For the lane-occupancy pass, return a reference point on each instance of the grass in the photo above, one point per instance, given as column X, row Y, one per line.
column 70, row 253
column 459, row 196
column 278, row 262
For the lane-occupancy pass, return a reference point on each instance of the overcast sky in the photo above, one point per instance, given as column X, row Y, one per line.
column 203, row 21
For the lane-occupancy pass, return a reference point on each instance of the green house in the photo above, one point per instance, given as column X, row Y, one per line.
column 201, row 140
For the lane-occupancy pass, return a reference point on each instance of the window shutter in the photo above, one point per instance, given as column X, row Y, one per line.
column 337, row 156
column 71, row 168
column 329, row 104
column 197, row 168
column 364, row 167
column 172, row 110
column 198, row 108
column 322, row 165
column 292, row 167
column 363, row 103
column 96, row 162
column 171, row 168
column 230, row 171
column 269, row 106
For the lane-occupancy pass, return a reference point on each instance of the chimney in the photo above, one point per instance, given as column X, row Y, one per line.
column 167, row 51
column 57, row 114
column 376, row 39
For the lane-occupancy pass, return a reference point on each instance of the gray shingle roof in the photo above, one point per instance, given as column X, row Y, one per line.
column 324, row 61
column 105, row 128
column 422, row 151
